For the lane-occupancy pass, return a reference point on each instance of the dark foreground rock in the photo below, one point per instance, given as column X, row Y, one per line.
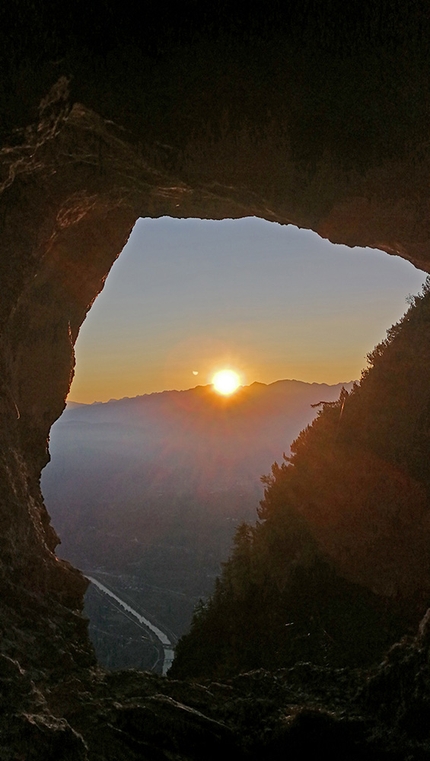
column 380, row 715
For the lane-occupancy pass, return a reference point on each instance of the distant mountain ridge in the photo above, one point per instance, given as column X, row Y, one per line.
column 210, row 440
column 290, row 383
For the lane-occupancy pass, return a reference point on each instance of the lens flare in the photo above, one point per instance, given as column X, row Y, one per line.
column 226, row 382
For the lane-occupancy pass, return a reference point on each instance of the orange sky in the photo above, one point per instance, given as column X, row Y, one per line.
column 189, row 297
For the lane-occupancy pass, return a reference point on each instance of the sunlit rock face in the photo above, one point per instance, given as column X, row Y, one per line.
column 314, row 119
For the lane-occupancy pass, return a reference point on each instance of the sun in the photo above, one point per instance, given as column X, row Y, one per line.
column 226, row 382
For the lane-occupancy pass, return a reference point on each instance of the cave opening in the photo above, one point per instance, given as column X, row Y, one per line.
column 306, row 114
column 186, row 297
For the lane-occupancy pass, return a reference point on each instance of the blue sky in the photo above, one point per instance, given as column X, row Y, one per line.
column 269, row 301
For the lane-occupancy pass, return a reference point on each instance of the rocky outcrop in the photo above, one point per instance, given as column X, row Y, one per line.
column 317, row 118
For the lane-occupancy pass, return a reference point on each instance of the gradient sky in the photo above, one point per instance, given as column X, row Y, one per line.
column 270, row 301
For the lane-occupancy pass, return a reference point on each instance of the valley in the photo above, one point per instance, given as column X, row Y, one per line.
column 147, row 493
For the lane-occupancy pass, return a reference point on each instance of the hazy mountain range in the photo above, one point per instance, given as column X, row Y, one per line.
column 148, row 490
column 200, row 439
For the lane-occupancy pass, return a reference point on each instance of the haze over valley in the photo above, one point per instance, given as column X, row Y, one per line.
column 146, row 494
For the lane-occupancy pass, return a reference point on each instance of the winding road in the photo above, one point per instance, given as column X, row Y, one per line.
column 167, row 645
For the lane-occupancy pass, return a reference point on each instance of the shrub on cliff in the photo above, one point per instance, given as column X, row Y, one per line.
column 337, row 565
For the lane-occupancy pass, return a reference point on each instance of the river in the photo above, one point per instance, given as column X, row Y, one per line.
column 168, row 651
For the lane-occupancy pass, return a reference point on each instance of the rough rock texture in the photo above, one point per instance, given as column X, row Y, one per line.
column 316, row 115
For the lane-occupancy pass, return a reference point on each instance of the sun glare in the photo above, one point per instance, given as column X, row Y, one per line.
column 226, row 382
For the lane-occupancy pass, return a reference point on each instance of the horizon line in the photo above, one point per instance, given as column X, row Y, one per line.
column 209, row 385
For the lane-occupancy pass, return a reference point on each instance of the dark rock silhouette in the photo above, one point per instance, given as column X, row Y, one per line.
column 313, row 114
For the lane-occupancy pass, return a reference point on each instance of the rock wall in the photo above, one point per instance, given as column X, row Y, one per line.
column 299, row 116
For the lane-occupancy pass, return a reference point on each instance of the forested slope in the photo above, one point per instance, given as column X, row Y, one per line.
column 337, row 566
